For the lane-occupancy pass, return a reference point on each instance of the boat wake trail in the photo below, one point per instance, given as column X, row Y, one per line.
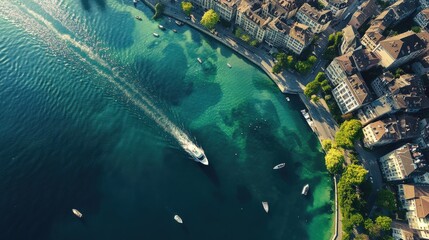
column 104, row 69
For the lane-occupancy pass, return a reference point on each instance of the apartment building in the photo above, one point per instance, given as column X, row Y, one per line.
column 365, row 11
column 377, row 109
column 317, row 20
column 390, row 130
column 251, row 22
column 422, row 18
column 399, row 49
column 226, row 8
column 415, row 200
column 351, row 94
column 350, row 63
column 351, row 40
column 402, row 163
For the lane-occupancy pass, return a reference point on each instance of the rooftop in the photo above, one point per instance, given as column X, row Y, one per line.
column 358, row 88
column 322, row 17
column 420, row 193
column 403, row 44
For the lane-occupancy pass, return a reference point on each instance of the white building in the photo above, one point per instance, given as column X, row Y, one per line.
column 415, row 199
column 397, row 50
column 390, row 130
column 318, row 21
column 422, row 18
column 401, row 163
column 226, row 8
column 351, row 94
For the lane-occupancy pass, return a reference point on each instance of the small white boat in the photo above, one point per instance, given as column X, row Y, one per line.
column 281, row 165
column 77, row 213
column 229, row 65
column 155, row 34
column 174, row 30
column 265, row 206
column 161, row 27
column 288, row 99
column 179, row 23
column 196, row 153
column 305, row 189
column 199, row 60
column 178, row 219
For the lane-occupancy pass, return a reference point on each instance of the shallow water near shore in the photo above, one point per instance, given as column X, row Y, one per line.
column 77, row 133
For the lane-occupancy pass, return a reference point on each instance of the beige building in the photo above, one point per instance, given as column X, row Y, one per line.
column 350, row 41
column 251, row 22
column 415, row 200
column 226, row 8
column 350, row 63
column 365, row 11
column 401, row 163
column 377, row 109
column 390, row 130
column 351, row 94
column 401, row 231
column 397, row 50
column 318, row 21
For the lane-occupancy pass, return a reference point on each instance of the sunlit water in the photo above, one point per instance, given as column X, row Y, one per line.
column 94, row 113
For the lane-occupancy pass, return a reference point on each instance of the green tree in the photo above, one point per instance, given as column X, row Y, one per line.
column 416, row 29
column 289, row 61
column 209, row 19
column 354, row 174
column 312, row 88
column 353, row 221
column 312, row 59
column 384, row 222
column 277, row 68
column 349, row 132
column 320, row 77
column 399, row 72
column 386, row 199
column 373, row 229
column 327, row 144
column 334, row 160
column 187, row 7
column 302, row 66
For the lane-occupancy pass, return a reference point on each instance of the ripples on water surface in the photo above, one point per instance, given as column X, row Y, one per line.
column 72, row 76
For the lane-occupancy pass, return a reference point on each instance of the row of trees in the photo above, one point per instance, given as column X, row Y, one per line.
column 245, row 37
column 209, row 19
column 334, row 41
column 313, row 88
column 285, row 61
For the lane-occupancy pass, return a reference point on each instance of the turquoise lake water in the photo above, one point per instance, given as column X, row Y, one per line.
column 82, row 87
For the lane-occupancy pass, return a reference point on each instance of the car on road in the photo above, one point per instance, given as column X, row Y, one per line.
column 370, row 178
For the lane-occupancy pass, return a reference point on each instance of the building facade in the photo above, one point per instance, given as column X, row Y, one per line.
column 351, row 94
column 318, row 21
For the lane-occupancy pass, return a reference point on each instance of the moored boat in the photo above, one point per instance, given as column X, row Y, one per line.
column 178, row 219
column 305, row 189
column 174, row 30
column 229, row 65
column 265, row 206
column 179, row 23
column 288, row 99
column 278, row 166
column 199, row 60
column 155, row 34
column 77, row 213
column 139, row 18
column 161, row 27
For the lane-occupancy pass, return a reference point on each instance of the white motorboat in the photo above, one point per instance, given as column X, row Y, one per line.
column 155, row 34
column 288, row 99
column 161, row 27
column 179, row 23
column 197, row 154
column 229, row 65
column 178, row 219
column 199, row 60
column 77, row 213
column 305, row 189
column 281, row 165
column 265, row 206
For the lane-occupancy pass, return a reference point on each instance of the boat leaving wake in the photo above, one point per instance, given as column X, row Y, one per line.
column 133, row 95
